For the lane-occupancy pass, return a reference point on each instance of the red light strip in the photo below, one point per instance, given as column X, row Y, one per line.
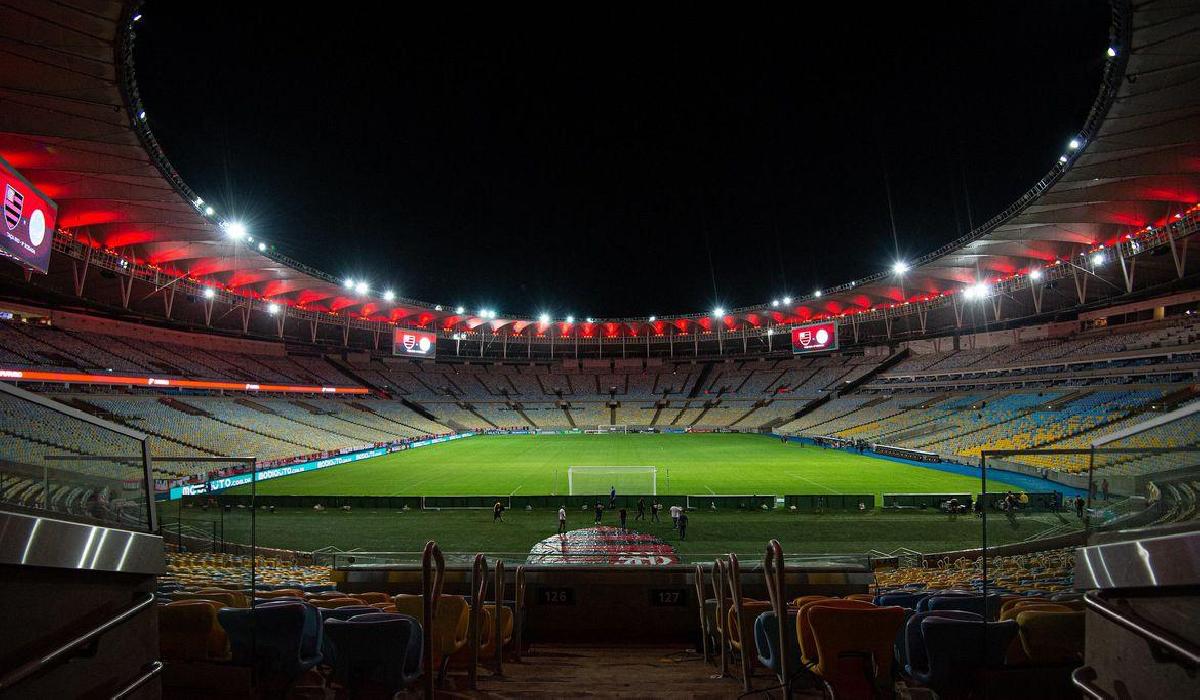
column 81, row 378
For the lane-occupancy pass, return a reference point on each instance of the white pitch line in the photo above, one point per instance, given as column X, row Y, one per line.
column 815, row 483
column 710, row 489
column 514, row 491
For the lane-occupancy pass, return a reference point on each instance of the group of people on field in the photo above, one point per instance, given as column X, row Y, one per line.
column 679, row 516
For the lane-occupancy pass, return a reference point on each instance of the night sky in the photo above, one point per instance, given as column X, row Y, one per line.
column 614, row 162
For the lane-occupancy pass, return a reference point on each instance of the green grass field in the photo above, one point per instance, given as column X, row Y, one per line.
column 695, row 463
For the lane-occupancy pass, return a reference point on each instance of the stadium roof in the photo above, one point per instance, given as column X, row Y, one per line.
column 74, row 125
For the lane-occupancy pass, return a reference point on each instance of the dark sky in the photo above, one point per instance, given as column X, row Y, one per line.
column 611, row 162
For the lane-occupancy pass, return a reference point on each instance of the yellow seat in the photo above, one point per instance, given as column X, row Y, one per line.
column 1052, row 636
column 451, row 622
column 188, row 631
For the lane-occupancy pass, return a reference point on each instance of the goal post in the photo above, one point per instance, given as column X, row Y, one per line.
column 600, row 480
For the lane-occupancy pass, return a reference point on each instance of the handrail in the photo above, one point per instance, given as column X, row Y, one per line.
column 151, row 670
column 27, row 669
column 478, row 590
column 773, row 572
column 1185, row 652
column 718, row 574
column 433, row 573
column 1083, row 678
column 518, row 612
column 499, row 633
column 699, row 586
column 735, row 591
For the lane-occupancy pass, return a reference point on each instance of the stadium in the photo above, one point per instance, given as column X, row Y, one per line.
column 228, row 473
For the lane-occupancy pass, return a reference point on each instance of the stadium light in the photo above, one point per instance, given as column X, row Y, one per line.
column 1035, row 274
column 653, row 319
column 1074, row 144
column 775, row 303
column 437, row 307
column 1098, row 259
column 389, row 295
column 787, row 300
column 198, row 202
column 209, row 211
column 900, row 267
column 137, row 17
column 349, row 283
column 1112, row 52
column 718, row 312
column 234, row 229
column 272, row 308
column 262, row 247
column 459, row 310
column 1062, row 159
column 361, row 288
column 544, row 318
column 570, row 319
column 590, row 319
column 817, row 294
column 142, row 115
column 209, row 292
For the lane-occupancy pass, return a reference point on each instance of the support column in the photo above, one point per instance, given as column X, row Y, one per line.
column 922, row 315
column 346, row 331
column 280, row 319
column 169, row 300
column 1178, row 252
column 245, row 309
column 1081, row 280
column 79, row 277
column 1036, row 289
column 1126, row 270
column 312, row 330
column 997, row 302
column 126, row 282
column 959, row 305
column 207, row 304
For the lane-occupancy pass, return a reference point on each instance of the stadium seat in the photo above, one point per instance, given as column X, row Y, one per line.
column 278, row 639
column 804, row 635
column 343, row 613
column 451, row 623
column 766, row 641
column 335, row 602
column 1052, row 637
column 914, row 659
column 382, row 649
column 229, row 599
column 751, row 609
column 853, row 647
column 989, row 608
column 959, row 650
column 188, row 631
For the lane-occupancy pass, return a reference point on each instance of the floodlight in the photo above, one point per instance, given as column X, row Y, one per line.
column 718, row 312
column 272, row 308
column 1112, row 52
column 817, row 294
column 1062, row 159
column 361, row 288
column 570, row 319
column 142, row 115
column 262, row 247
column 198, row 202
column 900, row 267
column 1074, row 144
column 349, row 283
column 1098, row 259
column 234, row 229
column 389, row 295
column 544, row 318
column 209, row 292
column 775, row 303
column 459, row 310
column 787, row 300
column 653, row 319
column 1035, row 274
column 209, row 211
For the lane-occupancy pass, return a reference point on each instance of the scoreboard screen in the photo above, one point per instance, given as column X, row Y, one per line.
column 27, row 232
column 414, row 343
column 814, row 337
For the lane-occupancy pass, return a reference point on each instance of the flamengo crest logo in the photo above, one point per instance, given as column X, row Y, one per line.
column 417, row 345
column 818, row 339
column 14, row 206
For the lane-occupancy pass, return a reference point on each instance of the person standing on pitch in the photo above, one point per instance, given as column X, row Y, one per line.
column 683, row 521
column 497, row 512
column 622, row 513
column 654, row 508
column 641, row 514
column 562, row 520
column 599, row 512
column 612, row 497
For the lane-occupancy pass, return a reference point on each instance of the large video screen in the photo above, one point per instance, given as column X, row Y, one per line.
column 29, row 219
column 414, row 343
column 814, row 337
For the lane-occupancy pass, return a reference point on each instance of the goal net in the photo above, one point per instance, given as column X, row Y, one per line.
column 600, row 480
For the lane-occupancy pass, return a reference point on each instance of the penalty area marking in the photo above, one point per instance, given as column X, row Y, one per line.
column 815, row 483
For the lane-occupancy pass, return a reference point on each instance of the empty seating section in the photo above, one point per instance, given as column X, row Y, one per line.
column 1047, row 572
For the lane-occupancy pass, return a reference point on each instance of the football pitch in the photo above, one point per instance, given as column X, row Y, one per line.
column 687, row 464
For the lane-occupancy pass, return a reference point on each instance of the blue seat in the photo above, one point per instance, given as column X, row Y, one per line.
column 766, row 641
column 343, row 613
column 914, row 659
column 905, row 599
column 923, row 604
column 376, row 648
column 959, row 650
column 282, row 640
column 989, row 608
